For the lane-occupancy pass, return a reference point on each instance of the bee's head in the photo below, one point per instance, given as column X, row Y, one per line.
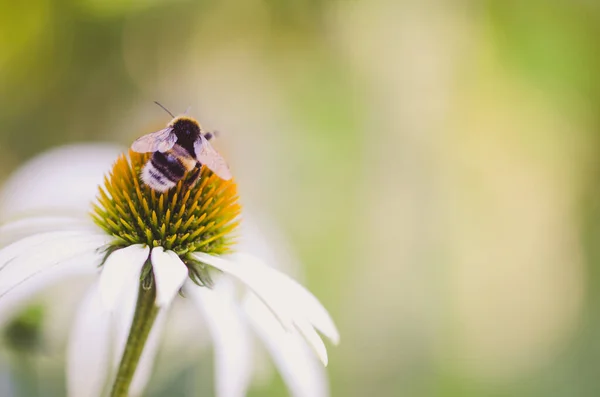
column 186, row 126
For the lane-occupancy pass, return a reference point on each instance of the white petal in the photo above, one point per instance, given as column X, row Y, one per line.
column 88, row 351
column 32, row 260
column 286, row 297
column 120, row 271
column 177, row 354
column 15, row 299
column 232, row 342
column 303, row 302
column 146, row 364
column 313, row 339
column 302, row 372
column 61, row 180
column 31, row 243
column 123, row 315
column 261, row 285
column 169, row 273
column 18, row 229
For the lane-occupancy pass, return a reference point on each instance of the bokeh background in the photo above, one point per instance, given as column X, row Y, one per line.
column 434, row 165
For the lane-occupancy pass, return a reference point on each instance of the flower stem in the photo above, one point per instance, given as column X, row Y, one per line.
column 143, row 319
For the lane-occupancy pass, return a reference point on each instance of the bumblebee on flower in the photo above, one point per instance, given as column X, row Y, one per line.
column 150, row 245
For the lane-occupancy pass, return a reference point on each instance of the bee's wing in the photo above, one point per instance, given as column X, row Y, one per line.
column 160, row 141
column 208, row 156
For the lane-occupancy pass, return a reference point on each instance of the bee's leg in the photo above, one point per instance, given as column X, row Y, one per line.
column 194, row 176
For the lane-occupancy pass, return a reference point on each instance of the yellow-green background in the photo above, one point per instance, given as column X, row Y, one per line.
column 433, row 164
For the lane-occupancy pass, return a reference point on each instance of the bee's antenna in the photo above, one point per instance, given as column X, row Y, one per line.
column 164, row 108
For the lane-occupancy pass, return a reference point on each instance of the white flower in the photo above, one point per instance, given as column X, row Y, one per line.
column 46, row 247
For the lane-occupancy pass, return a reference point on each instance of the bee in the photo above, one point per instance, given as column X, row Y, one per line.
column 180, row 148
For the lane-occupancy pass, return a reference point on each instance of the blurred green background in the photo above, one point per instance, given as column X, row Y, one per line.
column 433, row 164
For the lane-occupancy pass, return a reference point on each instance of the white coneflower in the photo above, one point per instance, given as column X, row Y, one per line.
column 148, row 248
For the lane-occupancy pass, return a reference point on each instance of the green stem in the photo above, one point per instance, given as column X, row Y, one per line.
column 143, row 319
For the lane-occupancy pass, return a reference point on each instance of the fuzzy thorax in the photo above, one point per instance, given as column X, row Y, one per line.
column 200, row 218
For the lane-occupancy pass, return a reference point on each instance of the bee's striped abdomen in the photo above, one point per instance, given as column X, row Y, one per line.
column 163, row 171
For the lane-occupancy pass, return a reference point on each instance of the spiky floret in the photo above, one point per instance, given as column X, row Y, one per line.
column 201, row 218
